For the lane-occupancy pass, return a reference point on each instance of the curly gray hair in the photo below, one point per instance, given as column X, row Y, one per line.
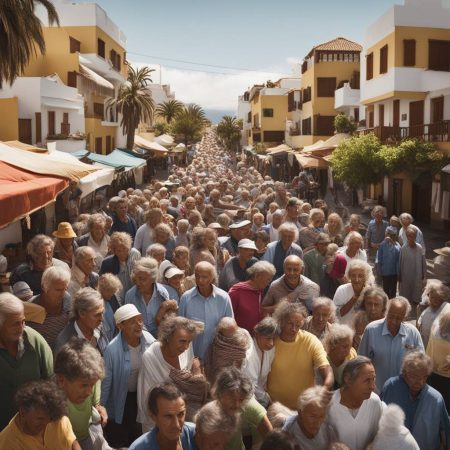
column 171, row 324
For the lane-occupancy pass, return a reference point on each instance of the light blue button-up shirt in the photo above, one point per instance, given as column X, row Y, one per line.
column 425, row 415
column 150, row 310
column 117, row 369
column 387, row 351
column 207, row 310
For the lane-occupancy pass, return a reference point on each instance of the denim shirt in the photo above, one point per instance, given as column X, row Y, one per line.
column 117, row 368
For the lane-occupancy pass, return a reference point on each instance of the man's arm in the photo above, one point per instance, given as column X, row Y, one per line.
column 327, row 376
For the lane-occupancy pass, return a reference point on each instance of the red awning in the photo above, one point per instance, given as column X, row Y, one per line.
column 23, row 192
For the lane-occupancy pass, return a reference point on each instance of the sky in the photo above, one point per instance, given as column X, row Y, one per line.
column 266, row 38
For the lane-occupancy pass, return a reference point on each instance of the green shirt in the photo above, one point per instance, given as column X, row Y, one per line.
column 314, row 262
column 80, row 414
column 34, row 363
column 252, row 415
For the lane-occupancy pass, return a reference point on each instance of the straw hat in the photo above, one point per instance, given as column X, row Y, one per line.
column 64, row 231
column 444, row 251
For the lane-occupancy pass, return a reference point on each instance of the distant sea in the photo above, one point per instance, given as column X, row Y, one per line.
column 215, row 115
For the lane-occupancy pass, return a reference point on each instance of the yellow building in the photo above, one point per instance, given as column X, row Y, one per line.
column 405, row 88
column 325, row 68
column 268, row 111
column 87, row 51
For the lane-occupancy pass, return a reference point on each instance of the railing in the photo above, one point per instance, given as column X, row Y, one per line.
column 430, row 132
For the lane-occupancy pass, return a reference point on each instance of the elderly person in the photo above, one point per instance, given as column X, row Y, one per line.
column 235, row 269
column 24, row 354
column 260, row 356
column 406, row 221
column 308, row 427
column 292, row 285
column 56, row 301
column 149, row 297
column 123, row 361
column 82, row 272
column 172, row 280
column 296, row 351
column 144, row 235
column 246, row 296
column 335, row 229
column 97, row 238
column 349, row 296
column 424, row 407
column 277, row 252
column 338, row 345
column 41, row 417
column 207, row 303
column 323, row 312
column 122, row 260
column 233, row 392
column 412, row 270
column 386, row 341
column 180, row 258
column 315, row 259
column 355, row 409
column 308, row 234
column 40, row 257
column 65, row 244
column 238, row 231
column 376, row 229
column 353, row 248
column 109, row 286
column 438, row 350
column 163, row 235
column 387, row 259
column 122, row 221
column 272, row 229
column 171, row 358
column 156, row 251
column 438, row 301
column 374, row 302
column 86, row 321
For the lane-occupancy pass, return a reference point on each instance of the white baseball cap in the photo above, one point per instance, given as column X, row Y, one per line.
column 247, row 243
column 126, row 312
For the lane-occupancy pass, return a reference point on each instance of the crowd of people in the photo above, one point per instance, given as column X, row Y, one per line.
column 220, row 310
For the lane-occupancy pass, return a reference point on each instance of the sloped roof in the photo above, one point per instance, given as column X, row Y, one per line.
column 340, row 44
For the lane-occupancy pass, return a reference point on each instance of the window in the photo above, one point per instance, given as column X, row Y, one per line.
column 72, row 79
column 38, row 127
column 291, row 101
column 99, row 110
column 369, row 66
column 439, row 55
column 249, row 117
column 384, row 59
column 51, row 122
column 101, row 48
column 274, row 136
column 115, row 59
column 257, row 137
column 326, row 87
column 324, row 126
column 304, row 66
column 356, row 115
column 307, row 94
column 98, row 145
column 267, row 112
column 306, row 126
column 74, row 45
column 409, row 52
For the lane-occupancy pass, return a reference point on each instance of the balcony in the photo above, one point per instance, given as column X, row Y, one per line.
column 346, row 97
column 102, row 66
column 430, row 132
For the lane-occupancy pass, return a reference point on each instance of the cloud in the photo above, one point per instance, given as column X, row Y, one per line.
column 210, row 90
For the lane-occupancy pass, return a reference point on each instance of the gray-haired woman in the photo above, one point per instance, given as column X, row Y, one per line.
column 86, row 321
column 323, row 311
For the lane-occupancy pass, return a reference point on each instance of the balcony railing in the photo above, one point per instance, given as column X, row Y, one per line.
column 430, row 132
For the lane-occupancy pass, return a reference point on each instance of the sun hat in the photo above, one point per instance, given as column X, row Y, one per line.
column 126, row 312
column 163, row 267
column 21, row 289
column 64, row 231
column 444, row 251
column 247, row 243
column 172, row 271
column 216, row 226
column 240, row 224
column 392, row 231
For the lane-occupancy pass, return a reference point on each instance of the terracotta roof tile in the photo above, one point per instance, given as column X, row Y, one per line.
column 336, row 45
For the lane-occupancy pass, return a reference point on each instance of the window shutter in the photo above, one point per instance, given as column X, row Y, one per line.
column 326, row 87
column 409, row 52
column 369, row 66
column 383, row 59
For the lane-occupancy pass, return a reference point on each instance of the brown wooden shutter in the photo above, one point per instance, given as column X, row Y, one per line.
column 38, row 127
column 100, row 48
column 384, row 59
column 326, row 86
column 72, row 79
column 396, row 121
column 381, row 115
column 51, row 122
column 25, row 135
column 369, row 66
column 439, row 55
column 108, row 145
column 437, row 109
column 98, row 145
column 409, row 52
column 74, row 45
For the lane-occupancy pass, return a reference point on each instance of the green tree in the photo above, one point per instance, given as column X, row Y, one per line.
column 134, row 102
column 189, row 123
column 342, row 124
column 358, row 162
column 161, row 128
column 21, row 35
column 168, row 110
column 229, row 131
column 412, row 156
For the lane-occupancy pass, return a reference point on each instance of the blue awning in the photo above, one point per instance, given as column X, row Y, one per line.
column 80, row 154
column 117, row 159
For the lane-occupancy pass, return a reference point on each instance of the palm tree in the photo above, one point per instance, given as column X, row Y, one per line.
column 134, row 102
column 229, row 131
column 168, row 110
column 21, row 35
column 189, row 123
column 196, row 111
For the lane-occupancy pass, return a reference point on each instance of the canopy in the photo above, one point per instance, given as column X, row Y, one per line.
column 165, row 139
column 446, row 168
column 326, row 147
column 117, row 159
column 96, row 180
column 311, row 162
column 279, row 149
column 96, row 78
column 61, row 164
column 148, row 145
column 28, row 147
column 80, row 154
column 22, row 192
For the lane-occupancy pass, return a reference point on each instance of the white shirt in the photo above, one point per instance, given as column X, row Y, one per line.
column 360, row 254
column 143, row 238
column 135, row 363
column 342, row 296
column 101, row 250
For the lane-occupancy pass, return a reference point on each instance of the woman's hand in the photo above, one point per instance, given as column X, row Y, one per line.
column 103, row 415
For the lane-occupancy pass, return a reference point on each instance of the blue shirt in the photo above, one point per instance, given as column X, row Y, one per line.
column 127, row 227
column 207, row 310
column 148, row 440
column 173, row 293
column 388, row 256
column 425, row 415
column 387, row 351
column 149, row 310
column 117, row 369
column 376, row 232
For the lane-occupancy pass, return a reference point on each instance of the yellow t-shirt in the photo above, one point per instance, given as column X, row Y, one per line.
column 438, row 350
column 58, row 435
column 293, row 367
